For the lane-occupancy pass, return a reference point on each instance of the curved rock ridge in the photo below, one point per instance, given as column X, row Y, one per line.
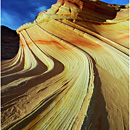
column 71, row 71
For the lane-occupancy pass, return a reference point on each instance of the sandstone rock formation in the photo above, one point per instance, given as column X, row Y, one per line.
column 9, row 43
column 71, row 71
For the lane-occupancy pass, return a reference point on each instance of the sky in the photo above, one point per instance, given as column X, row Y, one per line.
column 15, row 13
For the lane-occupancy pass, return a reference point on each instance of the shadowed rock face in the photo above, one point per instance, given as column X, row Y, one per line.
column 9, row 43
column 71, row 70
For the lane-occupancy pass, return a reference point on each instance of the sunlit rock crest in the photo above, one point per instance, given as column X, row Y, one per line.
column 71, row 71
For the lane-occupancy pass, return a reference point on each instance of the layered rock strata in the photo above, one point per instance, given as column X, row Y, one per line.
column 71, row 71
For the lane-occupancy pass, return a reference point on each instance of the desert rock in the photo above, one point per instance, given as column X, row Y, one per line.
column 71, row 70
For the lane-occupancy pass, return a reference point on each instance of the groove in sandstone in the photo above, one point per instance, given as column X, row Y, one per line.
column 71, row 71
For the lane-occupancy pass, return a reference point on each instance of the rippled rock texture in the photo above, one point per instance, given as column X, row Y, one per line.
column 71, row 70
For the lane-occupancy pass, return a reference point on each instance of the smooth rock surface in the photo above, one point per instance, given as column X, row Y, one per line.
column 9, row 43
column 71, row 71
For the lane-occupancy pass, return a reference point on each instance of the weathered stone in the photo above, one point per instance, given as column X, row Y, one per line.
column 71, row 71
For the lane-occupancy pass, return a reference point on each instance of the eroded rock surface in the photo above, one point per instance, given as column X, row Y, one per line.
column 71, row 71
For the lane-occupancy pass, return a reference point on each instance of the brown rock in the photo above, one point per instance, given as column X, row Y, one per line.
column 71, row 71
column 9, row 43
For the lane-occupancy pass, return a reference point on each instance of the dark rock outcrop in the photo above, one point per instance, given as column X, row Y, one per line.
column 9, row 43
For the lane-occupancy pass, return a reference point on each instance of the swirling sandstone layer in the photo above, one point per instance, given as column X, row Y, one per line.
column 71, row 71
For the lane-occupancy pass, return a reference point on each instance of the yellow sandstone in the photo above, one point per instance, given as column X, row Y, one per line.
column 71, row 71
